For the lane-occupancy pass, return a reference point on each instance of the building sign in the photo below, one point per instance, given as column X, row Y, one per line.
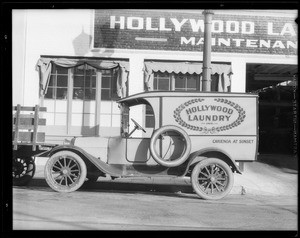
column 209, row 115
column 178, row 31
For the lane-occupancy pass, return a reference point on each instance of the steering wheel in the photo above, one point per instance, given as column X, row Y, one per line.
column 137, row 126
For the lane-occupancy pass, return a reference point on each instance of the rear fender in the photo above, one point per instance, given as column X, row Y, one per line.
column 197, row 156
column 88, row 159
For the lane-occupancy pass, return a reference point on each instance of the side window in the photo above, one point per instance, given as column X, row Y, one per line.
column 124, row 120
column 150, row 120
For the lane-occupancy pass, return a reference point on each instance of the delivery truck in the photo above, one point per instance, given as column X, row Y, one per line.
column 200, row 135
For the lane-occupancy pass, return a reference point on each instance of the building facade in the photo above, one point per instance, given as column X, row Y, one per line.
column 77, row 63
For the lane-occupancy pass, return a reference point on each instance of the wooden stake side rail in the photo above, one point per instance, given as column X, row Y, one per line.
column 25, row 126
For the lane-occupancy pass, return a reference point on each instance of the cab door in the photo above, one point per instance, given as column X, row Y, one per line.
column 138, row 144
column 137, row 150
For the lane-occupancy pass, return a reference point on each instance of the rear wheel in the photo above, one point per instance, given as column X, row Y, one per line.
column 65, row 171
column 23, row 170
column 212, row 179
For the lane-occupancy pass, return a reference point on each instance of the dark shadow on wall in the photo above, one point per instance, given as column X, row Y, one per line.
column 82, row 43
column 105, row 38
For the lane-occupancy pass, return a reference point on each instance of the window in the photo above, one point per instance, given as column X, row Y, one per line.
column 56, row 98
column 84, row 86
column 72, row 103
column 179, row 82
column 58, row 84
column 83, row 109
column 150, row 120
column 108, row 87
column 109, row 111
column 162, row 81
column 186, row 82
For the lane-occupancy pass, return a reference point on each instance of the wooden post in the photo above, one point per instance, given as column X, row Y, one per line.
column 98, row 100
column 36, row 121
column 17, row 126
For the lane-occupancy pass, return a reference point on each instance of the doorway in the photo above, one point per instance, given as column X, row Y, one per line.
column 277, row 87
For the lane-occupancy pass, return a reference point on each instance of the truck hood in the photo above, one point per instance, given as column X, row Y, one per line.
column 90, row 142
column 95, row 146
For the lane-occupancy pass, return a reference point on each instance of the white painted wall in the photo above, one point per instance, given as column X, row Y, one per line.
column 50, row 32
column 18, row 55
column 69, row 33
column 238, row 78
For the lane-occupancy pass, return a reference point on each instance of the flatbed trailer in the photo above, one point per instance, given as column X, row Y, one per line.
column 27, row 142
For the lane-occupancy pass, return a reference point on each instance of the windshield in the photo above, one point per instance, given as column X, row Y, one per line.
column 143, row 114
column 124, row 119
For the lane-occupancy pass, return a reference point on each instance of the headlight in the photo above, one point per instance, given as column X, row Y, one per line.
column 66, row 142
column 73, row 141
column 69, row 142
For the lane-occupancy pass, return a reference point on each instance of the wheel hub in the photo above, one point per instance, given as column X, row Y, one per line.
column 19, row 167
column 65, row 171
column 212, row 179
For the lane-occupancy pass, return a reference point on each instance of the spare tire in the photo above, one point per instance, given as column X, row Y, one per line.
column 174, row 161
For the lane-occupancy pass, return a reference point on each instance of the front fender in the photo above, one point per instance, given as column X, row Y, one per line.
column 103, row 167
column 66, row 147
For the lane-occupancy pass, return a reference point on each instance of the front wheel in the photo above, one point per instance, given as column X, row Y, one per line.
column 65, row 171
column 212, row 179
column 23, row 170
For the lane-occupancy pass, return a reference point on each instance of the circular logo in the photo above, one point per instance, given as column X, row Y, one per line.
column 209, row 115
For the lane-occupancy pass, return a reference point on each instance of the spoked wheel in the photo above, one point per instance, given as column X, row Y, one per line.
column 65, row 171
column 212, row 179
column 23, row 170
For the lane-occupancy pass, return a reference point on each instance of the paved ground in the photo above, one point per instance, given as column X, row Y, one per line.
column 269, row 202
column 40, row 208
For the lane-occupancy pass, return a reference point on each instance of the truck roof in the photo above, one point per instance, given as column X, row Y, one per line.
column 140, row 97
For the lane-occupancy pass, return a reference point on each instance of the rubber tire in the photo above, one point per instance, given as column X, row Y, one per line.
column 25, row 179
column 196, row 186
column 156, row 156
column 63, row 188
